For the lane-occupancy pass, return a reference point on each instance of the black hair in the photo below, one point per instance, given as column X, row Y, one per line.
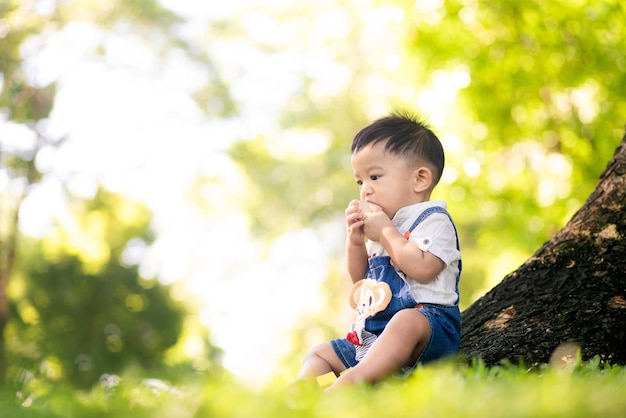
column 407, row 136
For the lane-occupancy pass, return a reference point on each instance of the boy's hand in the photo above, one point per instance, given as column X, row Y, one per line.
column 374, row 222
column 354, row 221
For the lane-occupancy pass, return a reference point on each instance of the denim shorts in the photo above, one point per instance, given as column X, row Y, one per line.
column 444, row 341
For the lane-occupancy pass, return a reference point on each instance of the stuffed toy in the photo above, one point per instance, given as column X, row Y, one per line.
column 367, row 298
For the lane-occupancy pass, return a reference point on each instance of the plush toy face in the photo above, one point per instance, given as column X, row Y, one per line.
column 368, row 297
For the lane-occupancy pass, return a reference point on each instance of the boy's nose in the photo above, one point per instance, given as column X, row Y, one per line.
column 365, row 192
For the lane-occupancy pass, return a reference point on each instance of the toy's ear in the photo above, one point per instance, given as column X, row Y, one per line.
column 384, row 297
column 355, row 293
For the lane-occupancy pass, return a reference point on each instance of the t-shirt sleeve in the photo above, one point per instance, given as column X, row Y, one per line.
column 436, row 235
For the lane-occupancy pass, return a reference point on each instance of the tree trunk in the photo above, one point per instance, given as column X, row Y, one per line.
column 572, row 290
column 8, row 246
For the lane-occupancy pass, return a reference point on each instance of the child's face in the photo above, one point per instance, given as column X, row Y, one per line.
column 385, row 179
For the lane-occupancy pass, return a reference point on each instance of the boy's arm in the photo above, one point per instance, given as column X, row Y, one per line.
column 356, row 260
column 356, row 252
column 419, row 265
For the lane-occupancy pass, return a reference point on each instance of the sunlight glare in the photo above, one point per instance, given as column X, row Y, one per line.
column 52, row 57
column 267, row 298
column 41, row 208
column 439, row 99
column 471, row 166
column 297, row 143
column 17, row 138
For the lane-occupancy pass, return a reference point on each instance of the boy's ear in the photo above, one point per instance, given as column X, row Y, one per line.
column 423, row 179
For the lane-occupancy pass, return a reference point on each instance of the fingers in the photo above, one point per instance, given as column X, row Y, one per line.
column 354, row 222
column 353, row 206
column 356, row 227
column 353, row 213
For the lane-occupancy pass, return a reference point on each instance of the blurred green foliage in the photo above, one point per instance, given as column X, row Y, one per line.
column 542, row 115
column 441, row 390
column 80, row 307
column 73, row 305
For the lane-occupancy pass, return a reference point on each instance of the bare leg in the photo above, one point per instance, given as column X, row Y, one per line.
column 319, row 360
column 400, row 344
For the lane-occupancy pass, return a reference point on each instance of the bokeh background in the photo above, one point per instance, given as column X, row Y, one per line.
column 173, row 173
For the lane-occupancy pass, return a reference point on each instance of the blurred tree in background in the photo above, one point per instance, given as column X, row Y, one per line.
column 80, row 306
column 541, row 113
column 72, row 303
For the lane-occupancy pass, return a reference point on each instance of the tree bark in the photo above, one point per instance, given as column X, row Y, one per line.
column 572, row 290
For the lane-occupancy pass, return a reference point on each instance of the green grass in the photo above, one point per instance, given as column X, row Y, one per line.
column 443, row 390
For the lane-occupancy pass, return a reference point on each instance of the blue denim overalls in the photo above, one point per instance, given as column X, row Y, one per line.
column 445, row 321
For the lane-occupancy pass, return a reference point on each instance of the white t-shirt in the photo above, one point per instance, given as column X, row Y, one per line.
column 436, row 235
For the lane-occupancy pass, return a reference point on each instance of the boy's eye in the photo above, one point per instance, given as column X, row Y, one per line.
column 372, row 178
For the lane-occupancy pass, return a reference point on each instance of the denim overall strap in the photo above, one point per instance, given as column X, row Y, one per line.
column 439, row 209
